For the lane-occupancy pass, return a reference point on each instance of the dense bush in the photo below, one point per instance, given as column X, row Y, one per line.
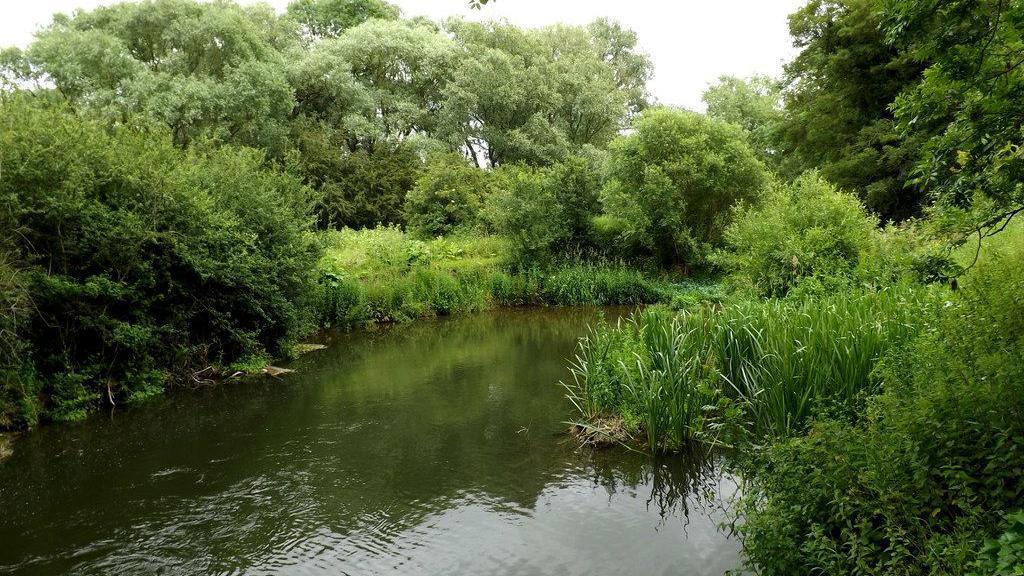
column 577, row 186
column 143, row 260
column 362, row 189
column 927, row 476
column 447, row 197
column 805, row 228
column 19, row 406
column 525, row 208
column 548, row 212
column 673, row 181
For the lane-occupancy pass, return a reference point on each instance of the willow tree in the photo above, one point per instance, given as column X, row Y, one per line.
column 210, row 70
column 673, row 181
column 534, row 96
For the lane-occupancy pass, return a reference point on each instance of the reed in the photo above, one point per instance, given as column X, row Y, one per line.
column 779, row 360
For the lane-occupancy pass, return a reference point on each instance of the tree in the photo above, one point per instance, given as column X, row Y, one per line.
column 968, row 106
column 838, row 95
column 447, row 196
column 403, row 67
column 535, row 95
column 673, row 181
column 755, row 104
column 143, row 259
column 330, row 18
column 577, row 185
column 205, row 70
column 617, row 46
column 799, row 229
column 525, row 209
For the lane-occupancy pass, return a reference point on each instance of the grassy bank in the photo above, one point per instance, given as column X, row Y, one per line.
column 385, row 275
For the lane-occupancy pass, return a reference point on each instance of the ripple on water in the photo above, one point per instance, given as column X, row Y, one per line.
column 436, row 449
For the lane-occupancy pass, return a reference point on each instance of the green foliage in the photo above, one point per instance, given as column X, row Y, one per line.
column 838, row 96
column 140, row 257
column 1003, row 556
column 967, row 104
column 330, row 18
column 922, row 480
column 363, row 189
column 779, row 362
column 602, row 285
column 651, row 370
column 204, row 70
column 19, row 407
column 447, row 197
column 577, row 186
column 533, row 96
column 344, row 91
column 673, row 181
column 384, row 275
column 755, row 104
column 524, row 207
column 807, row 228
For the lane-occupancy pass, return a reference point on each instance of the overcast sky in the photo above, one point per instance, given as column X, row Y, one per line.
column 692, row 42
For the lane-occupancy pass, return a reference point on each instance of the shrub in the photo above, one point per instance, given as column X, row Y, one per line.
column 19, row 406
column 924, row 479
column 447, row 197
column 525, row 209
column 142, row 258
column 361, row 189
column 577, row 187
column 1003, row 556
column 673, row 181
column 806, row 228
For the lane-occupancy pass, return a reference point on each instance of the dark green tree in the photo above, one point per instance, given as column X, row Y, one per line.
column 839, row 90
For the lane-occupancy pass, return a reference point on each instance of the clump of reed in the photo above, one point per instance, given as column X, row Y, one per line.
column 672, row 375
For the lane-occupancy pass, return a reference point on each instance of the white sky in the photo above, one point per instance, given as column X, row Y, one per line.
column 691, row 42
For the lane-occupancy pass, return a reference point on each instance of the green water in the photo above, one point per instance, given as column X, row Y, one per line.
column 433, row 448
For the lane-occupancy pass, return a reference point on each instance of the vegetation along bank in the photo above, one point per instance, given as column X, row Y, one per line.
column 834, row 257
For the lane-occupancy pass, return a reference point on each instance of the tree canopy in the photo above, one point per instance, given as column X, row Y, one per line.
column 341, row 85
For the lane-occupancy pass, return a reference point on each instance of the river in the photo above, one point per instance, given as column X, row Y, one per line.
column 430, row 448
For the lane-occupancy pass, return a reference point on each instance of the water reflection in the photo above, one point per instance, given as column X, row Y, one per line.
column 433, row 449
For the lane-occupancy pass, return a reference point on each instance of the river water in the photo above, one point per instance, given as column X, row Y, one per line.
column 431, row 448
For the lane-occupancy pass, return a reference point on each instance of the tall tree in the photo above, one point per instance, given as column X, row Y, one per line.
column 329, row 18
column 210, row 70
column 969, row 103
column 536, row 95
column 755, row 104
column 838, row 95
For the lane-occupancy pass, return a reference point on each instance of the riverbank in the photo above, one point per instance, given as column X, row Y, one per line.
column 872, row 422
column 384, row 275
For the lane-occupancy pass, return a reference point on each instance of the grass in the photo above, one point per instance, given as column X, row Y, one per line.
column 766, row 366
column 384, row 275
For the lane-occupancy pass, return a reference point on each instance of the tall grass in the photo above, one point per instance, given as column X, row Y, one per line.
column 652, row 370
column 778, row 360
column 785, row 359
